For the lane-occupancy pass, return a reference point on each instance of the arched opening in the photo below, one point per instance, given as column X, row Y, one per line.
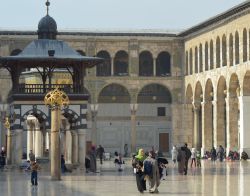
column 211, row 55
column 237, row 48
column 218, row 52
column 104, row 69
column 206, row 56
column 224, row 50
column 196, row 59
column 121, row 63
column 220, row 133
column 207, row 110
column 200, row 59
column 186, row 62
column 163, row 64
column 146, row 64
column 191, row 61
column 231, row 51
column 244, row 42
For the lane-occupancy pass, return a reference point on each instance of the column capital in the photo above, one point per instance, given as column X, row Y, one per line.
column 196, row 105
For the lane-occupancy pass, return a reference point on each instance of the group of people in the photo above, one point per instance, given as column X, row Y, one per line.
column 148, row 167
column 90, row 159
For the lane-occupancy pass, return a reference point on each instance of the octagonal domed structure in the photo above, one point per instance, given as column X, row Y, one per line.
column 47, row 28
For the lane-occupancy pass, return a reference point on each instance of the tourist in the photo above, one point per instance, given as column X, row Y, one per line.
column 198, row 159
column 193, row 157
column 138, row 163
column 92, row 158
column 188, row 155
column 2, row 158
column 181, row 158
column 151, row 165
column 63, row 166
column 100, row 153
column 213, row 154
column 220, row 153
column 34, row 173
column 174, row 155
column 31, row 156
column 125, row 150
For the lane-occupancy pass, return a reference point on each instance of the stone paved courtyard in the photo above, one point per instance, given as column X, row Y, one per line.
column 227, row 178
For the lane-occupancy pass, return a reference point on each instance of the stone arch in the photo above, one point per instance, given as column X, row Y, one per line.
column 244, row 44
column 206, row 56
column 218, row 60
column 146, row 64
column 198, row 94
column 200, row 58
column 190, row 61
column 209, row 91
column 186, row 62
column 104, row 69
column 114, row 93
column 163, row 64
column 15, row 52
column 154, row 93
column 237, row 48
column 211, row 54
column 220, row 133
column 196, row 60
column 81, row 52
column 246, row 84
column 231, row 51
column 40, row 115
column 189, row 94
column 224, row 50
column 72, row 117
column 121, row 63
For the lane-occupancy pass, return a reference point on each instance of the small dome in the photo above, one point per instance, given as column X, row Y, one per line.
column 47, row 28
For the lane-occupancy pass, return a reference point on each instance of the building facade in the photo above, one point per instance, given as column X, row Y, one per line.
column 157, row 88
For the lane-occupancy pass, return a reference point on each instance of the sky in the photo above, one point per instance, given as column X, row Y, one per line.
column 169, row 15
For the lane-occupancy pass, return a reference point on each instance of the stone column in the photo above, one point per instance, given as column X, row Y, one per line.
column 81, row 147
column 29, row 140
column 55, row 143
column 112, row 66
column 68, row 149
column 154, row 66
column 9, row 147
column 244, row 124
column 38, row 141
column 94, row 110
column 19, row 146
column 75, row 147
column 196, row 126
column 133, row 108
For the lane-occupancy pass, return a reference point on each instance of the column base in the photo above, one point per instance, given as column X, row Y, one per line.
column 203, row 150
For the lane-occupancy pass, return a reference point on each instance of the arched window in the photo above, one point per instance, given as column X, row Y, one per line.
column 244, row 45
column 114, row 93
column 196, row 59
column 81, row 52
column 104, row 69
column 163, row 64
column 191, row 61
column 211, row 55
column 121, row 64
column 231, row 51
column 146, row 64
column 200, row 59
column 206, row 56
column 224, row 51
column 154, row 93
column 217, row 52
column 187, row 71
column 237, row 51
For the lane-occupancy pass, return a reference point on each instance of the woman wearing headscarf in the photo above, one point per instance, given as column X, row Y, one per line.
column 138, row 164
column 181, row 157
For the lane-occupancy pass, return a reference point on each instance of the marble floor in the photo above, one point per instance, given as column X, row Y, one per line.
column 219, row 179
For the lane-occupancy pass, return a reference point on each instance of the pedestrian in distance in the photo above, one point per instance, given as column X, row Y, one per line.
column 188, row 155
column 34, row 173
column 100, row 153
column 193, row 157
column 174, row 155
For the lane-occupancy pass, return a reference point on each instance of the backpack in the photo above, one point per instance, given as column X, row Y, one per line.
column 148, row 168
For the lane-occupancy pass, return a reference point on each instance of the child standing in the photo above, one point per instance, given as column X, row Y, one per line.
column 193, row 157
column 198, row 159
column 34, row 171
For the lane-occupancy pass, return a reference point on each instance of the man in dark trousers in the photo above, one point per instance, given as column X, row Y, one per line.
column 100, row 152
column 188, row 155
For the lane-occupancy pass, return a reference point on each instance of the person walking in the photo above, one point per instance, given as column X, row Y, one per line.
column 181, row 158
column 153, row 173
column 125, row 150
column 100, row 153
column 32, row 156
column 174, row 154
column 221, row 153
column 138, row 164
column 188, row 155
column 34, row 173
column 92, row 158
column 193, row 157
column 213, row 154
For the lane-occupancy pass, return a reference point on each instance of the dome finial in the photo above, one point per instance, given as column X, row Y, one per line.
column 47, row 4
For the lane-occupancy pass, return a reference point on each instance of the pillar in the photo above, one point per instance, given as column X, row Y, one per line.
column 38, row 142
column 196, row 127
column 244, row 124
column 81, row 147
column 75, row 147
column 112, row 66
column 68, row 149
column 154, row 67
column 133, row 108
column 55, row 143
column 94, row 126
column 29, row 140
column 19, row 146
column 9, row 147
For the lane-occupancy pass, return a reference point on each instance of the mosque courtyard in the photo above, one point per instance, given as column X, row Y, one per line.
column 213, row 179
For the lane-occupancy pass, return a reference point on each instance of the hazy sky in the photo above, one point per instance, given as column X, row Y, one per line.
column 112, row 14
